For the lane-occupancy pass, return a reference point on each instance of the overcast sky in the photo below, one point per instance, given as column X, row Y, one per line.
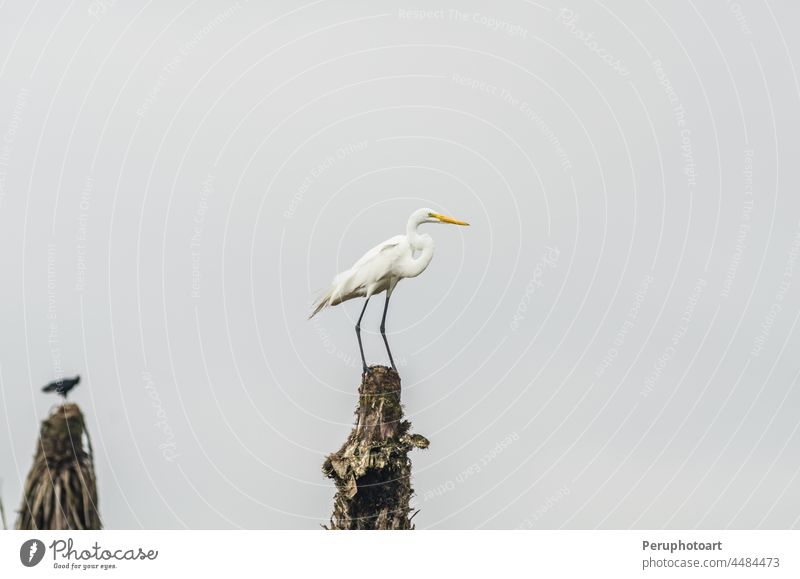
column 612, row 343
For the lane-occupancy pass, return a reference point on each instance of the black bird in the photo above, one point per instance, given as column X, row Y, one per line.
column 62, row 386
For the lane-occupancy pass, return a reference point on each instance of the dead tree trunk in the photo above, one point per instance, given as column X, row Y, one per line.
column 372, row 470
column 61, row 489
column 2, row 510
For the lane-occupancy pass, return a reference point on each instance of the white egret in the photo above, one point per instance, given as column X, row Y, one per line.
column 382, row 267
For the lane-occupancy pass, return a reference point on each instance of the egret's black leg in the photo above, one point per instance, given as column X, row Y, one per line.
column 358, row 334
column 383, row 331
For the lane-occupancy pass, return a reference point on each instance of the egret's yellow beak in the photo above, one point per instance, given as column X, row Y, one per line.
column 446, row 219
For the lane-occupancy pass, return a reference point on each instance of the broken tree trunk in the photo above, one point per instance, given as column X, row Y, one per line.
column 61, row 489
column 372, row 470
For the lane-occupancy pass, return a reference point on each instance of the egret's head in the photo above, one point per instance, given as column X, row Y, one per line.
column 426, row 215
column 433, row 217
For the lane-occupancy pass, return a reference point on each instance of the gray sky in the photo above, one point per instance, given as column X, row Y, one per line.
column 611, row 344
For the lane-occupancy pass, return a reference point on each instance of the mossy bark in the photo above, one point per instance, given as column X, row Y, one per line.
column 372, row 470
column 61, row 489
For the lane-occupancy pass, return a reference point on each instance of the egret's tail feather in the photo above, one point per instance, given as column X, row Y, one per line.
column 322, row 302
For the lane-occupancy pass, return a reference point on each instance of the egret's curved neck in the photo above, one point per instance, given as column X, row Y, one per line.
column 414, row 238
column 422, row 243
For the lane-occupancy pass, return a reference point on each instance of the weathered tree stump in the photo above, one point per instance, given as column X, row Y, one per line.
column 61, row 489
column 372, row 470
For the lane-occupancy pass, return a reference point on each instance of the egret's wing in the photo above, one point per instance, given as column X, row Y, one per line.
column 352, row 282
column 377, row 250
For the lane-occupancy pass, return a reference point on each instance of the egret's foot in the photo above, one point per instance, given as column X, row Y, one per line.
column 366, row 371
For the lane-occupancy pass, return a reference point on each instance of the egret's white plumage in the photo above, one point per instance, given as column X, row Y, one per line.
column 378, row 270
